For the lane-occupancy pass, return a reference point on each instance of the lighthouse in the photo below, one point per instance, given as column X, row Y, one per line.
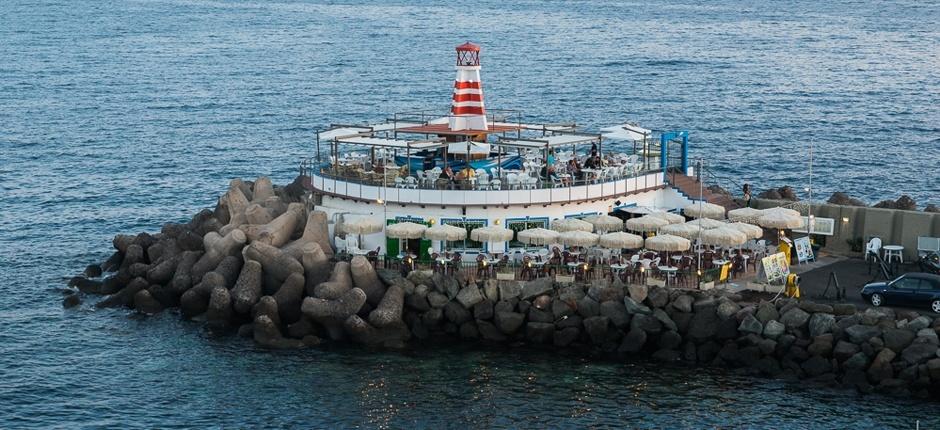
column 467, row 112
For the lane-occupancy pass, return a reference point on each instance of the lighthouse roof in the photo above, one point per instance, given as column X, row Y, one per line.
column 469, row 46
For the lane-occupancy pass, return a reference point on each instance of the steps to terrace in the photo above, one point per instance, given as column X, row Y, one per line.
column 691, row 188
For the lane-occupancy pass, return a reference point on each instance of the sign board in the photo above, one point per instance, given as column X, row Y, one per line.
column 724, row 272
column 804, row 251
column 823, row 226
column 774, row 268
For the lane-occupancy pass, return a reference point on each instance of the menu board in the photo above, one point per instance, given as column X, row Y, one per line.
column 774, row 268
column 804, row 251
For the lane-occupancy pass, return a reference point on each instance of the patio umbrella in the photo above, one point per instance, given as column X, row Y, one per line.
column 749, row 215
column 685, row 230
column 405, row 230
column 538, row 236
column 780, row 218
column 704, row 210
column 361, row 226
column 646, row 223
column 491, row 233
column 723, row 236
column 571, row 224
column 750, row 230
column 668, row 242
column 605, row 223
column 445, row 232
column 618, row 240
column 577, row 238
column 673, row 218
column 706, row 223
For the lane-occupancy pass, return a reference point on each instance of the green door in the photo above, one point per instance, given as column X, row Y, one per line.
column 393, row 246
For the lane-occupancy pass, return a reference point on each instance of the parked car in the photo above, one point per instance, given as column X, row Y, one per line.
column 911, row 289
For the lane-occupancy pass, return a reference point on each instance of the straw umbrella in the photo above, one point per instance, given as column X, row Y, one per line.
column 748, row 215
column 361, row 226
column 780, row 218
column 706, row 223
column 571, row 224
column 646, row 223
column 685, row 230
column 577, row 238
column 668, row 243
column 538, row 236
column 704, row 210
column 605, row 223
column 723, row 236
column 673, row 218
column 405, row 230
column 492, row 233
column 444, row 233
column 750, row 230
column 620, row 240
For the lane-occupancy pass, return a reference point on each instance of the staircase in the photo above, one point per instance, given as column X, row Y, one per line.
column 690, row 187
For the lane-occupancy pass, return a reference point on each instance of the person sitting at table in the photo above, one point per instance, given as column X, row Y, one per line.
column 550, row 159
column 575, row 170
column 448, row 175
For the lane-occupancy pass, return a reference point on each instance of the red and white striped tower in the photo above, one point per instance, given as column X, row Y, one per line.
column 467, row 112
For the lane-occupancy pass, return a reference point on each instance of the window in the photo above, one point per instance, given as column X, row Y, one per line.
column 908, row 283
column 519, row 224
column 465, row 245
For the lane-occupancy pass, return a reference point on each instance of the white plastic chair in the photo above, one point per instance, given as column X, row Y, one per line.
column 399, row 182
column 482, row 183
column 496, row 184
column 411, row 182
column 874, row 245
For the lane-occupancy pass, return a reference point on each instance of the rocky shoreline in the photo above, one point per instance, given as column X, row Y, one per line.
column 261, row 264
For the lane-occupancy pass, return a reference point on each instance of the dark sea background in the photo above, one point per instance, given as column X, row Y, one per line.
column 119, row 116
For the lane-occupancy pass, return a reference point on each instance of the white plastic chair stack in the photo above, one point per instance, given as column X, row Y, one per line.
column 496, row 184
column 482, row 183
column 411, row 182
column 874, row 245
column 399, row 182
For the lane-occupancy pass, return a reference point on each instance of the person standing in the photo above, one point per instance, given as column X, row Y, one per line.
column 747, row 195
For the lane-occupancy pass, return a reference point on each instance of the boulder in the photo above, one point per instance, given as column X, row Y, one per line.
column 750, row 324
column 813, row 307
column 859, row 333
column 143, row 302
column 537, row 287
column 509, row 290
column 289, row 298
column 268, row 335
column 365, row 278
column 488, row 331
column 704, row 325
column 316, row 266
column 456, row 313
column 683, row 303
column 918, row 353
column 566, row 336
column 657, row 297
column 821, row 323
column 880, row 368
column 670, row 340
column 897, row 339
column 766, row 311
column 918, row 323
column 247, row 290
column 469, row 296
column 491, row 290
column 509, row 322
column 927, row 335
column 339, row 283
column 588, row 307
column 841, row 309
column 844, row 350
column 602, row 292
column 217, row 248
column 633, row 307
column 665, row 320
column 219, row 312
column 858, row 361
column 633, row 341
column 727, row 309
column 316, row 230
column 360, row 331
column 72, row 300
column 437, row 300
column 616, row 312
column 597, row 328
column 795, row 318
column 816, row 366
column 638, row 292
column 561, row 308
column 539, row 333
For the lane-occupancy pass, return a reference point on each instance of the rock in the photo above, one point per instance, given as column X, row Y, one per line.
column 509, row 322
column 670, row 340
column 539, row 333
column 339, row 283
column 268, row 335
column 664, row 319
column 301, row 329
column 341, row 308
column 726, row 309
column 633, row 341
column 750, row 324
column 657, row 297
column 704, row 325
column 182, row 277
column 539, row 315
column 602, row 292
column 247, row 290
column 437, row 300
column 704, row 303
column 646, row 323
column 71, row 300
column 918, row 353
column 844, row 309
column 418, row 302
column 858, row 361
column 933, row 369
column 488, row 331
column 124, row 297
column 932, row 208
column 767, row 346
column 880, row 368
column 289, row 298
column 483, row 310
column 491, row 290
column 316, row 230
column 918, row 323
column 795, row 318
column 316, row 266
column 360, row 331
column 766, row 311
column 597, row 328
column 861, row 333
column 266, row 306
column 816, row 366
column 561, row 308
column 469, row 296
column 812, row 307
column 871, row 316
column 566, row 336
column 821, row 323
column 219, row 311
column 456, row 313
column 844, row 350
column 927, row 335
column 217, row 248
column 365, row 278
column 509, row 290
column 843, row 199
column 683, row 303
column 616, row 312
column 633, row 307
column 638, row 292
column 821, row 346
column 145, row 303
column 588, row 307
column 537, row 287
column 897, row 339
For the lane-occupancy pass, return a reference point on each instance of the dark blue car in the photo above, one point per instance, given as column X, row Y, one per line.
column 911, row 289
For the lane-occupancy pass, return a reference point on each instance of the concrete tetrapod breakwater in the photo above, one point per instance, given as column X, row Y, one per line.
column 279, row 283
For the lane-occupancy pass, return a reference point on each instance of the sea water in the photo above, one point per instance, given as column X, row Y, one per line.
column 116, row 117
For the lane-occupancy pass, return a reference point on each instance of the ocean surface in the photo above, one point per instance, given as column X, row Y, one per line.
column 118, row 116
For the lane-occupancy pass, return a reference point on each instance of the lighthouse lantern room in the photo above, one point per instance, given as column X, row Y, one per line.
column 467, row 111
